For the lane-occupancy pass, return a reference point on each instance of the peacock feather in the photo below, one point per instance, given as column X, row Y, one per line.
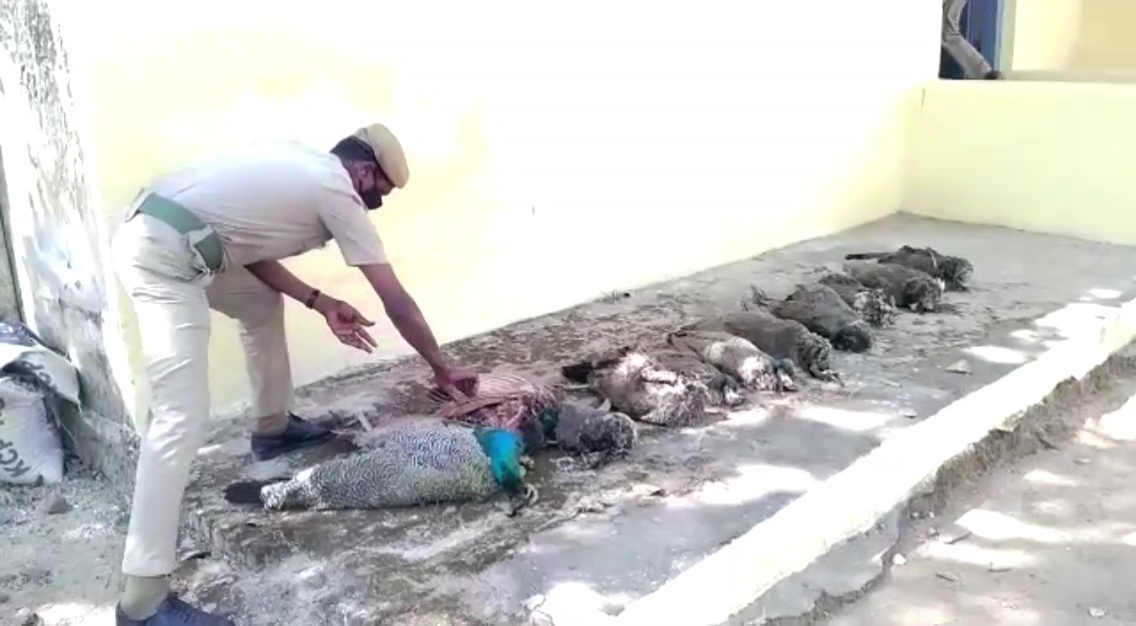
column 505, row 401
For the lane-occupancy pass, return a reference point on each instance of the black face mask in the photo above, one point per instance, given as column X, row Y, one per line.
column 352, row 149
column 372, row 199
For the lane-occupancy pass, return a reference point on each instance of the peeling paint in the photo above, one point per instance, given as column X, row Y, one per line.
column 56, row 231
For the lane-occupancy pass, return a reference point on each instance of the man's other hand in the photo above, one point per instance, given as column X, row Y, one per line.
column 349, row 325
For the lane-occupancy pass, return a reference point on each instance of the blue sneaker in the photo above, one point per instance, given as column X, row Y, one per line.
column 297, row 436
column 174, row 612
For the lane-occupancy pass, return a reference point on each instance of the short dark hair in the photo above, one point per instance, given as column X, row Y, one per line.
column 354, row 149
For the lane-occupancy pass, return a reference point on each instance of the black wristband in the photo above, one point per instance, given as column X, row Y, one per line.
column 311, row 301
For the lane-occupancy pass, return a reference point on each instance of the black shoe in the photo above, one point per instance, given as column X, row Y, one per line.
column 174, row 612
column 297, row 436
column 992, row 75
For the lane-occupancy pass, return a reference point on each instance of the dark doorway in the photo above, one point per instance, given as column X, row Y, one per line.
column 981, row 24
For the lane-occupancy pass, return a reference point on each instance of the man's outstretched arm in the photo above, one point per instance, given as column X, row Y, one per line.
column 404, row 313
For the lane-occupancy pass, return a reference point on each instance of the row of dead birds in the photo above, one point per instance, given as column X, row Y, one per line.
column 761, row 347
column 706, row 364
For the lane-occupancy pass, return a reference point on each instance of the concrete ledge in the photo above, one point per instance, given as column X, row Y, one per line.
column 856, row 499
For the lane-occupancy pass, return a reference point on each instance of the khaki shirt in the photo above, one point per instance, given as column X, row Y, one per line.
column 274, row 201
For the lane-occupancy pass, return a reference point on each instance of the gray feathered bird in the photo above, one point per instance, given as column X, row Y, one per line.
column 596, row 434
column 777, row 337
column 642, row 388
column 954, row 271
column 821, row 309
column 875, row 306
column 912, row 289
column 737, row 357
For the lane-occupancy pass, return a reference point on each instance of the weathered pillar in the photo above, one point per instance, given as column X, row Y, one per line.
column 54, row 252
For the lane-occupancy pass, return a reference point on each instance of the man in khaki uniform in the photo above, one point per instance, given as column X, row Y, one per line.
column 968, row 57
column 211, row 235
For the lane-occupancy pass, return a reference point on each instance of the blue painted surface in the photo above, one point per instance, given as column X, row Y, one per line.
column 983, row 27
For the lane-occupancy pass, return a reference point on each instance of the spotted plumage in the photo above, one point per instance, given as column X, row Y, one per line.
column 640, row 387
column 736, row 357
column 777, row 337
column 403, row 466
column 596, row 434
column 954, row 271
column 911, row 288
column 722, row 390
column 874, row 306
column 825, row 313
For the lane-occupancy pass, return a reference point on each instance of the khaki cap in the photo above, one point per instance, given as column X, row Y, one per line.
column 388, row 152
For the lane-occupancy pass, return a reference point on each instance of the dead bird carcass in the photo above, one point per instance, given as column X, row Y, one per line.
column 596, row 434
column 777, row 337
column 823, row 312
column 642, row 388
column 874, row 306
column 505, row 400
column 911, row 288
column 407, row 465
column 723, row 390
column 954, row 271
column 736, row 357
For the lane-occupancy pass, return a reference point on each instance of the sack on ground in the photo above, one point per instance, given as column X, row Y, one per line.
column 32, row 379
column 30, row 449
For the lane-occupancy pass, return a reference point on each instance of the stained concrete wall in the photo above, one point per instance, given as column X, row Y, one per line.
column 554, row 155
column 1044, row 156
column 11, row 309
column 57, row 231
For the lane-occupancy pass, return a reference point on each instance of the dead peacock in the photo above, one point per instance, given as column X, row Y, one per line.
column 737, row 358
column 910, row 288
column 779, row 338
column 723, row 390
column 537, row 412
column 401, row 466
column 642, row 388
column 954, row 271
column 874, row 306
column 595, row 434
column 506, row 401
column 821, row 309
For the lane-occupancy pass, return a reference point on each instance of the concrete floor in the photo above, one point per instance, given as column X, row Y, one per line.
column 608, row 537
column 1047, row 541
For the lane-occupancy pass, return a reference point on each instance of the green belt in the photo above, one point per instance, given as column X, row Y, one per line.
column 202, row 236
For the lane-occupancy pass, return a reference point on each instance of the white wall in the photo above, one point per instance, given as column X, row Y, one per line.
column 555, row 153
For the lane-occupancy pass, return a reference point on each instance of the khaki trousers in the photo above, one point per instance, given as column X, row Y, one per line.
column 968, row 57
column 172, row 292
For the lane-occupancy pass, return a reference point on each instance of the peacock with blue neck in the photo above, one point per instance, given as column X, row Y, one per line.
column 403, row 466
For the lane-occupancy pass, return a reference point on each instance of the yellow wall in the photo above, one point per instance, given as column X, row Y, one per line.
column 1052, row 37
column 1042, row 156
column 556, row 153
